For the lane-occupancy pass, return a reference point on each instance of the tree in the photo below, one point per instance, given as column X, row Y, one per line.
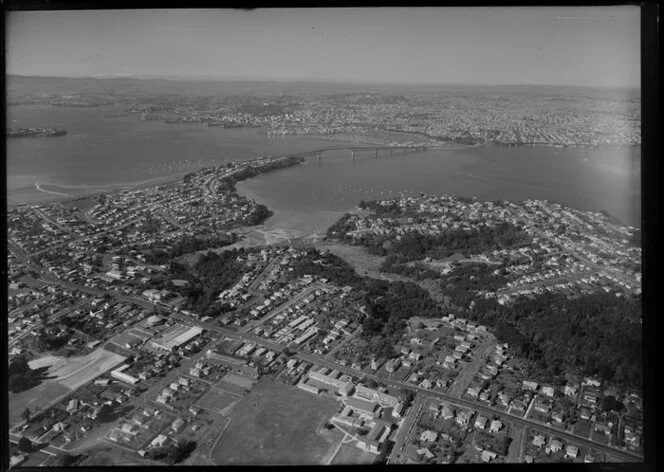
column 371, row 383
column 25, row 445
column 408, row 394
column 65, row 460
column 105, row 413
column 26, row 415
column 610, row 403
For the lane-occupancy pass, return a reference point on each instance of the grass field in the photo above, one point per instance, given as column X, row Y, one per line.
column 276, row 424
column 37, row 397
column 351, row 454
column 106, row 455
column 216, row 400
column 239, row 380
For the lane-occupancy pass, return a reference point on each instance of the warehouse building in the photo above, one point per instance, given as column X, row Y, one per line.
column 176, row 336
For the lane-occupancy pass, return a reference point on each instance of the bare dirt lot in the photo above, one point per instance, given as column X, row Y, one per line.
column 72, row 372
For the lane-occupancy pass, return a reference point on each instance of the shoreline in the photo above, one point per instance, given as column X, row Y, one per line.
column 84, row 191
column 38, row 187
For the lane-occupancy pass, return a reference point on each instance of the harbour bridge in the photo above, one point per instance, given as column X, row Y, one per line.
column 318, row 153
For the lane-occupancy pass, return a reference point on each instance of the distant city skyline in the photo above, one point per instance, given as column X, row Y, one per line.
column 560, row 46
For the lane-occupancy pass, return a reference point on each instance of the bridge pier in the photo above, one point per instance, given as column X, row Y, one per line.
column 353, row 152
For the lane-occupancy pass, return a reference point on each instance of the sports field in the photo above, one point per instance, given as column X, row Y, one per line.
column 277, row 424
column 216, row 400
column 239, row 380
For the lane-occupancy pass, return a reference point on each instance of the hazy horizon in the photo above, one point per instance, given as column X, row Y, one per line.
column 595, row 47
column 222, row 78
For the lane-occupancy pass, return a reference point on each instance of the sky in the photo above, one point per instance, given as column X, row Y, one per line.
column 584, row 46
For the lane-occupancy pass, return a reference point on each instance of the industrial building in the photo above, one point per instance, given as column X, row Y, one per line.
column 176, row 336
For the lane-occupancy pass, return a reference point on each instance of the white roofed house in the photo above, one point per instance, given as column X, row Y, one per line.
column 473, row 391
column 481, row 422
column 447, row 412
column 428, row 436
column 496, row 426
column 72, row 406
column 570, row 390
column 538, row 440
column 554, row 446
column 487, row 456
column 547, row 390
column 530, row 385
column 572, row 451
column 463, row 418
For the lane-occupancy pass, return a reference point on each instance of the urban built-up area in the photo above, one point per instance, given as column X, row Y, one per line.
column 141, row 331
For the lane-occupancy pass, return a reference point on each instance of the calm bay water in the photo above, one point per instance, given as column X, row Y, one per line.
column 109, row 147
column 105, row 148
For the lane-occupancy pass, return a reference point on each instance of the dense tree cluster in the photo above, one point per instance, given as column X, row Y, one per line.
column 389, row 305
column 66, row 460
column 596, row 334
column 47, row 339
column 341, row 227
column 187, row 245
column 25, row 445
column 257, row 216
column 415, row 245
column 21, row 377
column 173, row 454
column 212, row 274
column 462, row 284
column 252, row 171
column 330, row 266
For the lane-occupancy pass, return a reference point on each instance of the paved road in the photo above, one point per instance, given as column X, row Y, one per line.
column 407, row 426
column 466, row 376
column 22, row 256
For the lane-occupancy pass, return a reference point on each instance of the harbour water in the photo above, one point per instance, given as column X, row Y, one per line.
column 107, row 148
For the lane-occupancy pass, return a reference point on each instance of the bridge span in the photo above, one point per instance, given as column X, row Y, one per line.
column 318, row 153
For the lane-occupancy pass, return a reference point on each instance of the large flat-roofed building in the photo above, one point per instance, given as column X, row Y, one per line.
column 176, row 336
column 372, row 394
column 120, row 375
column 362, row 406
